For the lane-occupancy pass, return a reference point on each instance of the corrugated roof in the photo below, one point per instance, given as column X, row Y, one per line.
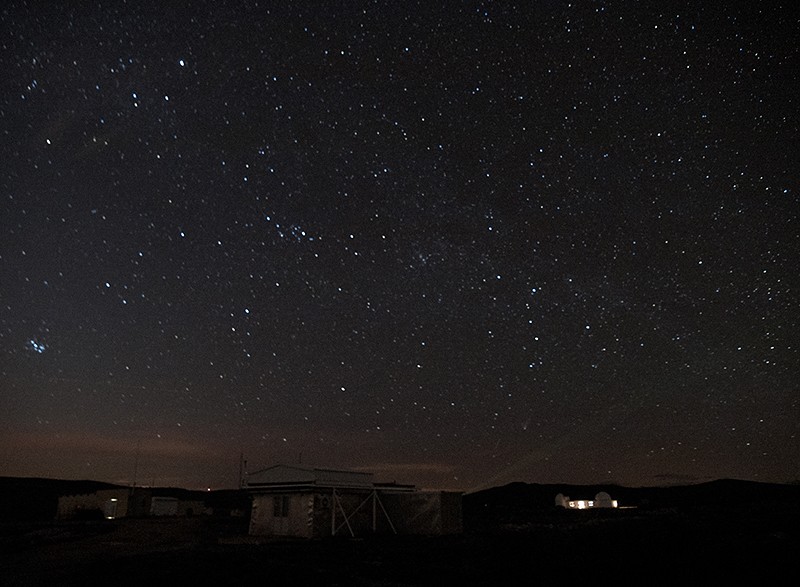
column 292, row 476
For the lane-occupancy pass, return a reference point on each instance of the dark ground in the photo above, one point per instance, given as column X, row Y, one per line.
column 507, row 541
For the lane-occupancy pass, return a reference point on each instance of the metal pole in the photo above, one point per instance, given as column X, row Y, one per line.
column 385, row 513
column 374, row 498
column 333, row 513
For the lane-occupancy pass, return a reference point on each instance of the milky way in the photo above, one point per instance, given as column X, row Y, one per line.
column 457, row 244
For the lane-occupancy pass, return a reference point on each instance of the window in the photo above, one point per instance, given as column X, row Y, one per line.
column 280, row 506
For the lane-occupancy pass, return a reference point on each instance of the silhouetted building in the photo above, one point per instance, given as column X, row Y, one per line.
column 313, row 503
column 127, row 502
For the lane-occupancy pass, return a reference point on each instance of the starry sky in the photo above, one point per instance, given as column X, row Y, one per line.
column 454, row 243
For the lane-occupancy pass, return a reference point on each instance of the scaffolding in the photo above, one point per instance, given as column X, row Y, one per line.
column 372, row 497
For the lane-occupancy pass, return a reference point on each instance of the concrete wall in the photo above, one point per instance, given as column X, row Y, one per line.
column 282, row 515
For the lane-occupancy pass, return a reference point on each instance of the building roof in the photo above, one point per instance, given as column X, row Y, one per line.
column 283, row 477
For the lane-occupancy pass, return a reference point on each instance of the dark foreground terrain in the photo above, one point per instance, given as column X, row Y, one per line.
column 506, row 542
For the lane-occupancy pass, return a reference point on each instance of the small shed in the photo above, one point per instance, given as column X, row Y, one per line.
column 305, row 502
column 163, row 506
column 132, row 502
column 108, row 503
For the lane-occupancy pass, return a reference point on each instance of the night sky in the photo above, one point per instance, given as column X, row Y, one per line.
column 455, row 243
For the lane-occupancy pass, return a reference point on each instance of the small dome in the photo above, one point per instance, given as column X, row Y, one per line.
column 603, row 500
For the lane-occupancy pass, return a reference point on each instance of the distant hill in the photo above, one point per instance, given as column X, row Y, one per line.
column 36, row 499
column 517, row 502
column 721, row 491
